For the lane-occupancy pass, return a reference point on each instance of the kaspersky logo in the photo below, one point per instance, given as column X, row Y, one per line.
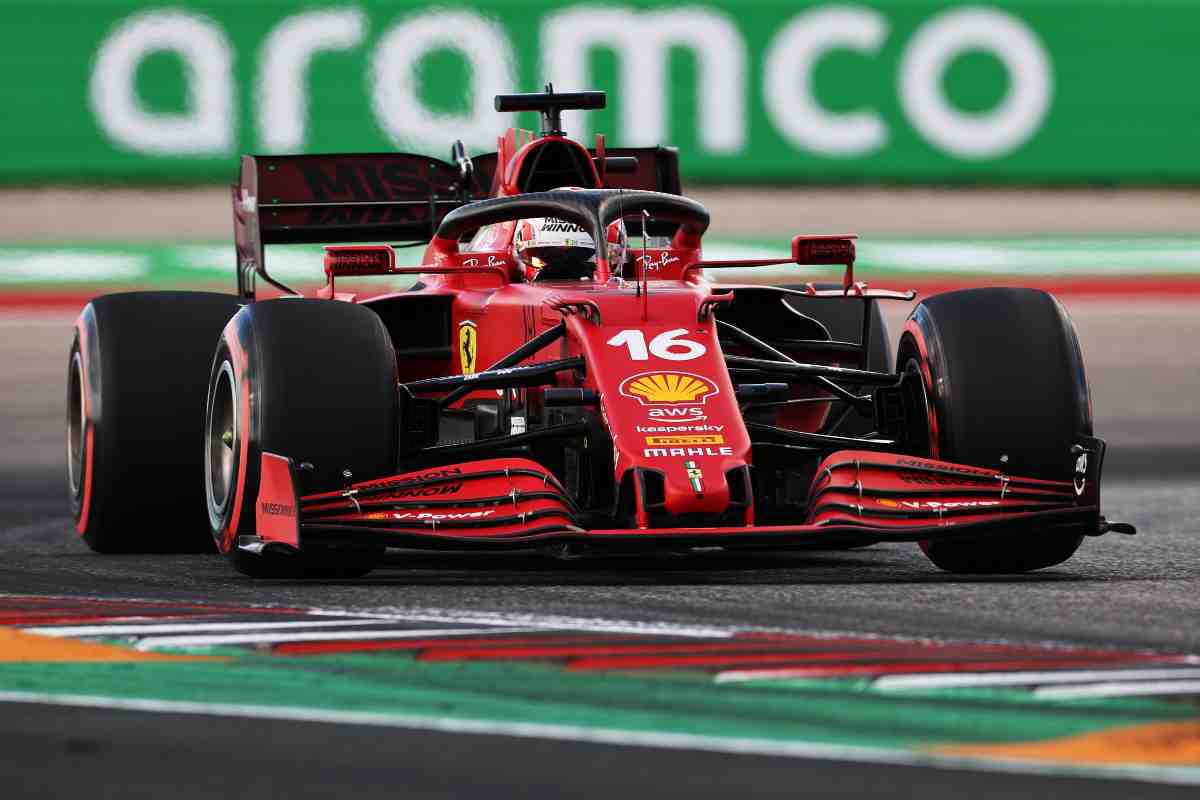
column 668, row 388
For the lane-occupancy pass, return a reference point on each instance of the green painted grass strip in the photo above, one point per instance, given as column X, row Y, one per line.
column 547, row 694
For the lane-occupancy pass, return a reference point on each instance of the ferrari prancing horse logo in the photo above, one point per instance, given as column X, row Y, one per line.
column 468, row 346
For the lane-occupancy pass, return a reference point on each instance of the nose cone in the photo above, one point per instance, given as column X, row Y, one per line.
column 670, row 407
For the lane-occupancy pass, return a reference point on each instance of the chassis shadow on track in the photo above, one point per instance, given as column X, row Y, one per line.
column 879, row 566
column 875, row 565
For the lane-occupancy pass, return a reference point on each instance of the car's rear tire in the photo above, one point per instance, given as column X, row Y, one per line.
column 136, row 377
column 843, row 319
column 1007, row 390
column 313, row 380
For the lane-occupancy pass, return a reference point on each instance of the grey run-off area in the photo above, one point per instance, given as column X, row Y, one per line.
column 72, row 214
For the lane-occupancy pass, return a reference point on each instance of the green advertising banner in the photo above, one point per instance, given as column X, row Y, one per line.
column 1046, row 91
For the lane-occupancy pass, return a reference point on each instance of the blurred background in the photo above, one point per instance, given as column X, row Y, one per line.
column 1049, row 143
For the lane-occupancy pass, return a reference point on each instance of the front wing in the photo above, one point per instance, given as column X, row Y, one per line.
column 856, row 497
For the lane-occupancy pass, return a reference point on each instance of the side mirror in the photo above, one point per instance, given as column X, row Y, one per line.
column 466, row 169
column 824, row 249
column 621, row 164
column 359, row 259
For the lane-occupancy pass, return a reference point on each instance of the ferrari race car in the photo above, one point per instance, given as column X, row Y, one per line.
column 606, row 399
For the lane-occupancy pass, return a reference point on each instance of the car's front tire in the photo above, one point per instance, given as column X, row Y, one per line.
column 1004, row 376
column 312, row 380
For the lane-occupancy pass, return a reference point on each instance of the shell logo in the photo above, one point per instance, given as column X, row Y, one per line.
column 668, row 388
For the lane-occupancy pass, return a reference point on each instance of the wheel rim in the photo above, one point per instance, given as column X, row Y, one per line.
column 221, row 439
column 914, row 364
column 76, row 425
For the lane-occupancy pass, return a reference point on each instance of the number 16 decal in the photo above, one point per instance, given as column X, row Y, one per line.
column 668, row 345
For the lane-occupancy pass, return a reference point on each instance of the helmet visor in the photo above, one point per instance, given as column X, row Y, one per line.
column 556, row 262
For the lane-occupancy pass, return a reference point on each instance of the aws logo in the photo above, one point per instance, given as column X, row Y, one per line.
column 668, row 388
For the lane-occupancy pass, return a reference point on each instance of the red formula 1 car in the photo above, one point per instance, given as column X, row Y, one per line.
column 563, row 377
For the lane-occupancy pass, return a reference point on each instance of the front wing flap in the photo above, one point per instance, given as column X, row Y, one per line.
column 489, row 500
column 898, row 492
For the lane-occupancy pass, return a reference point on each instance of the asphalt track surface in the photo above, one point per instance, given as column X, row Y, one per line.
column 50, row 752
column 1131, row 592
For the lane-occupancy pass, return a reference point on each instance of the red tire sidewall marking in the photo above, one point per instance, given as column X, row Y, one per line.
column 914, row 330
column 89, row 444
column 238, row 359
column 918, row 337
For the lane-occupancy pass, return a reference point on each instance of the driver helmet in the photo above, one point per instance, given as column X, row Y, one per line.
column 548, row 248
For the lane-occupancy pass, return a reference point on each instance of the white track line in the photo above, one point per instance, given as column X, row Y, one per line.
column 491, row 619
column 954, row 681
column 161, row 642
column 1189, row 776
column 1118, row 690
column 501, row 619
column 557, row 622
column 780, row 674
column 591, row 625
column 196, row 627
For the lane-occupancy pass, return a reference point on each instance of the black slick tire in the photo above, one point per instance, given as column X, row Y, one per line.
column 137, row 374
column 312, row 380
column 1007, row 391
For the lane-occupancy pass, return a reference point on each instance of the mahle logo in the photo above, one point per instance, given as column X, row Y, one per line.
column 727, row 74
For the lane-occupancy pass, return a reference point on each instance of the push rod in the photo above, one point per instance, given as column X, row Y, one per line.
column 795, row 369
column 821, row 440
column 502, row 378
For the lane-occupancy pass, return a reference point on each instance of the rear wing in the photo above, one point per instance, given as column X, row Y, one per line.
column 382, row 197
column 337, row 198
